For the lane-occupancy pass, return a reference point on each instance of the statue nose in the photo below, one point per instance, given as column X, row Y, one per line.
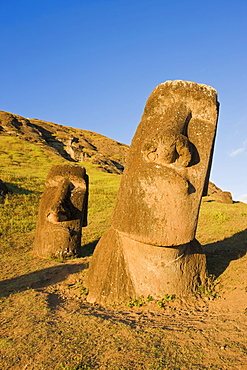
column 59, row 210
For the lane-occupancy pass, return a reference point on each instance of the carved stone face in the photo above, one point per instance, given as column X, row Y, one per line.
column 151, row 245
column 169, row 143
column 62, row 212
column 169, row 159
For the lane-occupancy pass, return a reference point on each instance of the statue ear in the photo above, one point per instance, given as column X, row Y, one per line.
column 85, row 203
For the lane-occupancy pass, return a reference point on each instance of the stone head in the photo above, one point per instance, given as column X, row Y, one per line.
column 62, row 212
column 168, row 164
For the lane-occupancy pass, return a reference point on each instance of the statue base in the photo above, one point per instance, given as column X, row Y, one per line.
column 123, row 268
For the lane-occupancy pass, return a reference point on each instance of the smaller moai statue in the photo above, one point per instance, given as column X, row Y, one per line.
column 62, row 212
column 3, row 191
column 151, row 246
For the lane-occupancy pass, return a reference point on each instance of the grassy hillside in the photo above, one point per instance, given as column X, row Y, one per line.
column 45, row 321
column 75, row 145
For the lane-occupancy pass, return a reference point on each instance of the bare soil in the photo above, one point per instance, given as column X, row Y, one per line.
column 204, row 332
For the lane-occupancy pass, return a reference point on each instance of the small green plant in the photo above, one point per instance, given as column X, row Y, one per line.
column 78, row 285
column 167, row 298
column 208, row 289
column 137, row 302
column 84, row 290
column 149, row 298
column 140, row 301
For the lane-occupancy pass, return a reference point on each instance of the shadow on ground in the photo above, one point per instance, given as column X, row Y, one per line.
column 52, row 275
column 88, row 249
column 220, row 254
column 41, row 278
column 16, row 189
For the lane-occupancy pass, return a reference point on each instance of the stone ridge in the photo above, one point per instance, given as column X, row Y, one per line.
column 218, row 195
column 75, row 145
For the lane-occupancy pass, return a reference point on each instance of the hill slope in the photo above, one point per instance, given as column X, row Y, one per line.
column 73, row 144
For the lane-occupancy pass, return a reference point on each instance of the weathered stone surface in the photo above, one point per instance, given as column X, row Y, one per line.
column 219, row 195
column 123, row 268
column 62, row 212
column 151, row 246
column 3, row 191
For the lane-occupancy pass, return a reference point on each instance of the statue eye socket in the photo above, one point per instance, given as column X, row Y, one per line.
column 76, row 189
column 71, row 186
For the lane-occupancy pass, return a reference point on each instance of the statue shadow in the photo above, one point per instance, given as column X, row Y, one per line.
column 41, row 278
column 220, row 254
column 49, row 276
column 15, row 189
column 88, row 249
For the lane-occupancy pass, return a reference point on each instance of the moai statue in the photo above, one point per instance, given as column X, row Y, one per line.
column 62, row 212
column 3, row 192
column 151, row 246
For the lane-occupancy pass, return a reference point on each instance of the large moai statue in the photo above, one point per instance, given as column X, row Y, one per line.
column 62, row 212
column 151, row 246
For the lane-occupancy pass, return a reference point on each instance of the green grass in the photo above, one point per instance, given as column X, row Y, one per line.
column 44, row 321
column 218, row 221
column 24, row 166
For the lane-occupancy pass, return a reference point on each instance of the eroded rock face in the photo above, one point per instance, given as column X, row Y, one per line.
column 219, row 195
column 151, row 246
column 62, row 212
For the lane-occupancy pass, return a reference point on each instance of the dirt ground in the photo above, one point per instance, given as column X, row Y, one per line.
column 218, row 326
column 215, row 324
column 46, row 322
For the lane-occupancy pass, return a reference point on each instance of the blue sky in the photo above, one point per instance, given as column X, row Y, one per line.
column 92, row 65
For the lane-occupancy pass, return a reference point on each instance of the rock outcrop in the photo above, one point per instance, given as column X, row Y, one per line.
column 75, row 145
column 219, row 195
column 151, row 246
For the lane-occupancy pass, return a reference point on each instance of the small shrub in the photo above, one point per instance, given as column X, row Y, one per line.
column 137, row 302
column 149, row 298
column 207, row 290
column 167, row 298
